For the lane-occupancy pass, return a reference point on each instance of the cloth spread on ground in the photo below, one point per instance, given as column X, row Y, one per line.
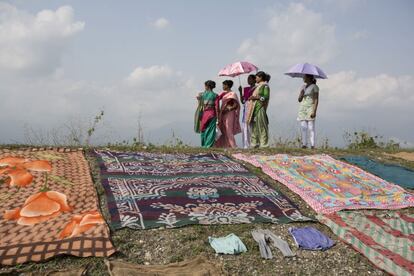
column 264, row 238
column 393, row 173
column 151, row 190
column 199, row 266
column 70, row 272
column 230, row 244
column 329, row 185
column 49, row 207
column 310, row 238
column 386, row 239
column 409, row 156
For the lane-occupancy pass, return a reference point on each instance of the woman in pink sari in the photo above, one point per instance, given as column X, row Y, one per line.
column 228, row 116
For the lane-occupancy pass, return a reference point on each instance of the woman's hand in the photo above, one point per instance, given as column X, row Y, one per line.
column 226, row 110
column 301, row 95
column 313, row 114
column 198, row 97
column 254, row 98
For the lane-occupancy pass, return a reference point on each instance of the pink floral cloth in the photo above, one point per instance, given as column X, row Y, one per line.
column 329, row 185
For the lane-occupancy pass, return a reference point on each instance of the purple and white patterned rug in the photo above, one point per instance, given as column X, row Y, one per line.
column 150, row 190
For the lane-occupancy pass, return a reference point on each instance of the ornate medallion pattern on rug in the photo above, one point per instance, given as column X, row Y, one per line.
column 151, row 190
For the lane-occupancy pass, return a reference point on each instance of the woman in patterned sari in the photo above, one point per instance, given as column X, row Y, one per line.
column 257, row 115
column 208, row 117
column 228, row 116
column 245, row 94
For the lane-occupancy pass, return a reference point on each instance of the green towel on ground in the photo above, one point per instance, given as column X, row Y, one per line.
column 230, row 244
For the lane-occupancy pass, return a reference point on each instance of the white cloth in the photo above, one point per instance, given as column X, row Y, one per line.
column 313, row 88
column 245, row 128
column 308, row 126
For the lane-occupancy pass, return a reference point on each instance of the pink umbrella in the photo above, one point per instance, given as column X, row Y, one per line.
column 238, row 68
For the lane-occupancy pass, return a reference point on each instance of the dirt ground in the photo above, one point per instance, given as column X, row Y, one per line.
column 163, row 246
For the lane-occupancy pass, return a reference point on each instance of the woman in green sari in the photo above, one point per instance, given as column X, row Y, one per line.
column 257, row 115
column 206, row 116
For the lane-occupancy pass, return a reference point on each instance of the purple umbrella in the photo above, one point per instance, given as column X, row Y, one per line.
column 301, row 69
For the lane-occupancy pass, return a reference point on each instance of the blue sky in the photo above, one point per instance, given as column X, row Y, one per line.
column 62, row 66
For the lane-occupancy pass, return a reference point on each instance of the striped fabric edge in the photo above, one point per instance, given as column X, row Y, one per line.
column 359, row 241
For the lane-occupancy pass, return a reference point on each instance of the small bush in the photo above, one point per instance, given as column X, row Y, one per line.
column 364, row 140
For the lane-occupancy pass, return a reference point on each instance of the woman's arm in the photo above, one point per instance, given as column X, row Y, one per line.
column 263, row 95
column 301, row 94
column 315, row 104
column 241, row 94
column 232, row 105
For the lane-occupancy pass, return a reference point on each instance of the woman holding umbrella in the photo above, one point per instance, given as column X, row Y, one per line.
column 257, row 115
column 208, row 116
column 237, row 69
column 308, row 99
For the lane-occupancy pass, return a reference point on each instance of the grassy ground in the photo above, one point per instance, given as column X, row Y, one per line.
column 163, row 246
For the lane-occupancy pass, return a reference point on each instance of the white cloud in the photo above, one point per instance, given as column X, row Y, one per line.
column 35, row 43
column 381, row 103
column 359, row 35
column 341, row 5
column 292, row 35
column 159, row 88
column 152, row 76
column 345, row 91
column 161, row 23
column 158, row 94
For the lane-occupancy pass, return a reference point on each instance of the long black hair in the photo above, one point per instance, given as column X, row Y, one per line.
column 229, row 83
column 312, row 78
column 265, row 77
column 210, row 84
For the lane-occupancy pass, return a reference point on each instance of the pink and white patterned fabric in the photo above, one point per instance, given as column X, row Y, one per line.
column 329, row 185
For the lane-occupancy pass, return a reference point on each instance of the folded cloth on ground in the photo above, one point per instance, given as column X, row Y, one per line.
column 230, row 244
column 329, row 185
column 391, row 172
column 310, row 238
column 385, row 238
column 68, row 272
column 199, row 266
column 264, row 238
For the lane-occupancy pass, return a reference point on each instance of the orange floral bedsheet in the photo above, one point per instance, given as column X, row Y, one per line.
column 48, row 207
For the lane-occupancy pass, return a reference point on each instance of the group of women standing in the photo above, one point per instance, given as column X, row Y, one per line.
column 217, row 116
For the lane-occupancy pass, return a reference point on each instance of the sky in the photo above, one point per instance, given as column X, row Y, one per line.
column 143, row 62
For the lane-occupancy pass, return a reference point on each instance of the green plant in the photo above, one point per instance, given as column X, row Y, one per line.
column 91, row 130
column 360, row 140
column 175, row 142
column 365, row 140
